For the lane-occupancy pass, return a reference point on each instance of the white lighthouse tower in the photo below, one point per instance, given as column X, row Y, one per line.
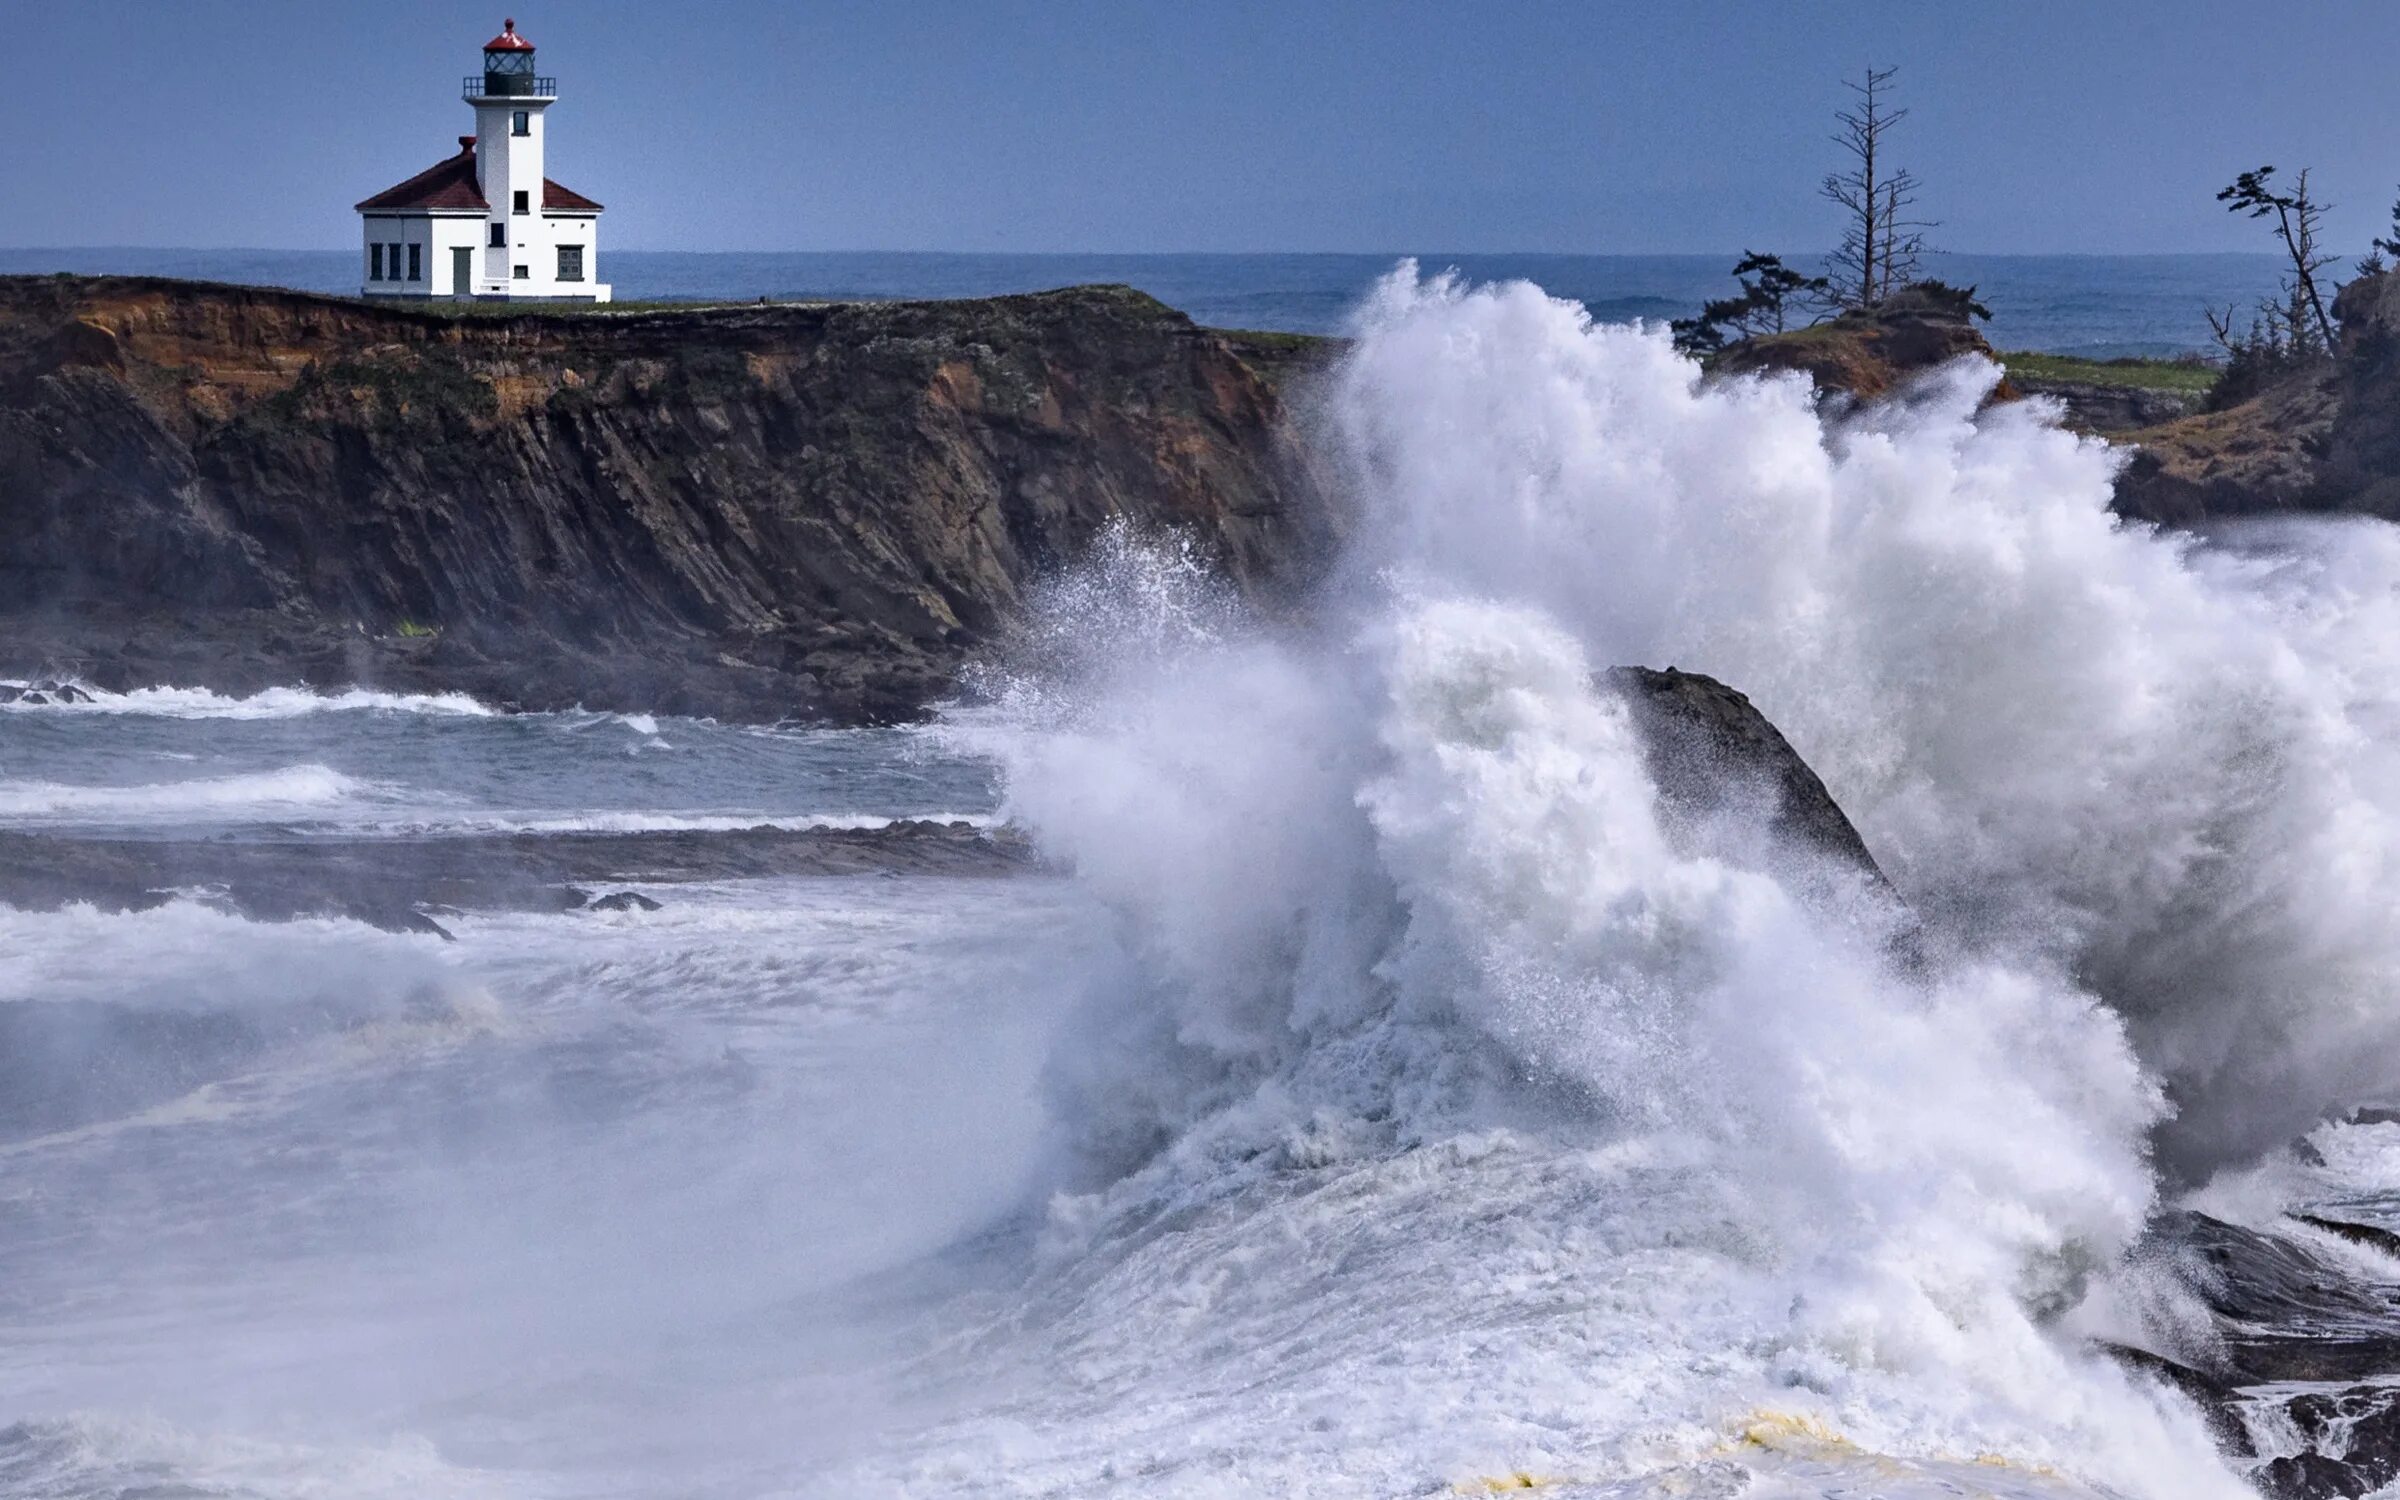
column 488, row 223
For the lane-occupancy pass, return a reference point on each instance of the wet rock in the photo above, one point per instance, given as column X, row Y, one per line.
column 2372, row 1236
column 2354, row 1444
column 1710, row 750
column 33, row 695
column 2309, row 1476
column 2286, row 1311
column 2214, row 1398
column 2304, row 1351
column 625, row 901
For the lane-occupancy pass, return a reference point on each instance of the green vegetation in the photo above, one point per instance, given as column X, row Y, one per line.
column 1266, row 340
column 1276, row 357
column 2189, row 375
column 415, row 632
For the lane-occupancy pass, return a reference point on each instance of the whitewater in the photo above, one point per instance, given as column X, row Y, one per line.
column 1374, row 1087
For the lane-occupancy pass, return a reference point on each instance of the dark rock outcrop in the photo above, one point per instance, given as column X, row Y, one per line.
column 754, row 511
column 1710, row 751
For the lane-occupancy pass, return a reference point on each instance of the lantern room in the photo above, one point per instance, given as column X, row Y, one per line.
column 508, row 69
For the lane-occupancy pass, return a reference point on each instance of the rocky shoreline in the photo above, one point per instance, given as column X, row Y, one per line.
column 749, row 512
column 783, row 512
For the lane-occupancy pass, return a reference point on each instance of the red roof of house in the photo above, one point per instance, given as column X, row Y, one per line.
column 508, row 40
column 451, row 184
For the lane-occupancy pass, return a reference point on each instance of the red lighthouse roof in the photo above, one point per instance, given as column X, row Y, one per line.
column 451, row 186
column 508, row 40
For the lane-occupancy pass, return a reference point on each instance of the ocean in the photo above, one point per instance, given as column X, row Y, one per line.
column 2102, row 306
column 1348, row 1075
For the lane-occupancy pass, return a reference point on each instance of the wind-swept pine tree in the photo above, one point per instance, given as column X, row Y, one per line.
column 1773, row 296
column 2298, row 217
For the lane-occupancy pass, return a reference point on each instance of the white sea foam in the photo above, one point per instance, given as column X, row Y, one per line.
column 268, row 703
column 93, row 1453
column 304, row 788
column 644, row 821
column 1449, row 1115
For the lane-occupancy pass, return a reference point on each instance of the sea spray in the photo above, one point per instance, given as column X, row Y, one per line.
column 1441, row 1074
column 2069, row 739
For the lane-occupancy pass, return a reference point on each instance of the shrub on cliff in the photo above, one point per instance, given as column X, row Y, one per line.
column 1773, row 297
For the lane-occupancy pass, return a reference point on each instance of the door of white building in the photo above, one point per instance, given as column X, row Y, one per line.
column 462, row 272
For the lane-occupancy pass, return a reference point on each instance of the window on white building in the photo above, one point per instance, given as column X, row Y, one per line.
column 524, row 274
column 499, row 236
column 521, row 123
column 570, row 263
column 416, row 262
column 375, row 263
column 523, row 204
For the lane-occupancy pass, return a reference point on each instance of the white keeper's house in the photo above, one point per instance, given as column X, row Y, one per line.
column 486, row 223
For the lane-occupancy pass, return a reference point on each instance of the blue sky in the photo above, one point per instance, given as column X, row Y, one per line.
column 1603, row 126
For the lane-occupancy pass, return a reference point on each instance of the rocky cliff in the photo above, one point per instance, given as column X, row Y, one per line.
column 751, row 511
column 2326, row 437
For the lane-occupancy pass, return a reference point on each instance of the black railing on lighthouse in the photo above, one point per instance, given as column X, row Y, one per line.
column 509, row 86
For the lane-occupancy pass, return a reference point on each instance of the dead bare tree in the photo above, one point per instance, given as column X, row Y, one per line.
column 1880, row 242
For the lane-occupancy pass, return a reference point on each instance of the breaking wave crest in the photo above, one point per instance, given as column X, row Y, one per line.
column 286, row 789
column 1493, row 1123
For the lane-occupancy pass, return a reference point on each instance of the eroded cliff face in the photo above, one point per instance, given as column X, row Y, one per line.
column 2323, row 438
column 756, row 512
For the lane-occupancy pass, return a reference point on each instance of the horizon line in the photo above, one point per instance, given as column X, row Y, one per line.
column 1391, row 254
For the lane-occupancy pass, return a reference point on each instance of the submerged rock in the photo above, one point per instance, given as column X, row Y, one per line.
column 625, row 901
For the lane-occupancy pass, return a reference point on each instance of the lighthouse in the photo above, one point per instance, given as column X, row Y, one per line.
column 486, row 223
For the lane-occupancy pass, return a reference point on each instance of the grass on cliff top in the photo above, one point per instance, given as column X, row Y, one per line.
column 1284, row 343
column 445, row 308
column 2192, row 377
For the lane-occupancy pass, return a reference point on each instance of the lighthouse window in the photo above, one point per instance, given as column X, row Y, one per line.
column 521, row 123
column 416, row 262
column 499, row 236
column 524, row 273
column 522, row 205
column 374, row 263
column 570, row 263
